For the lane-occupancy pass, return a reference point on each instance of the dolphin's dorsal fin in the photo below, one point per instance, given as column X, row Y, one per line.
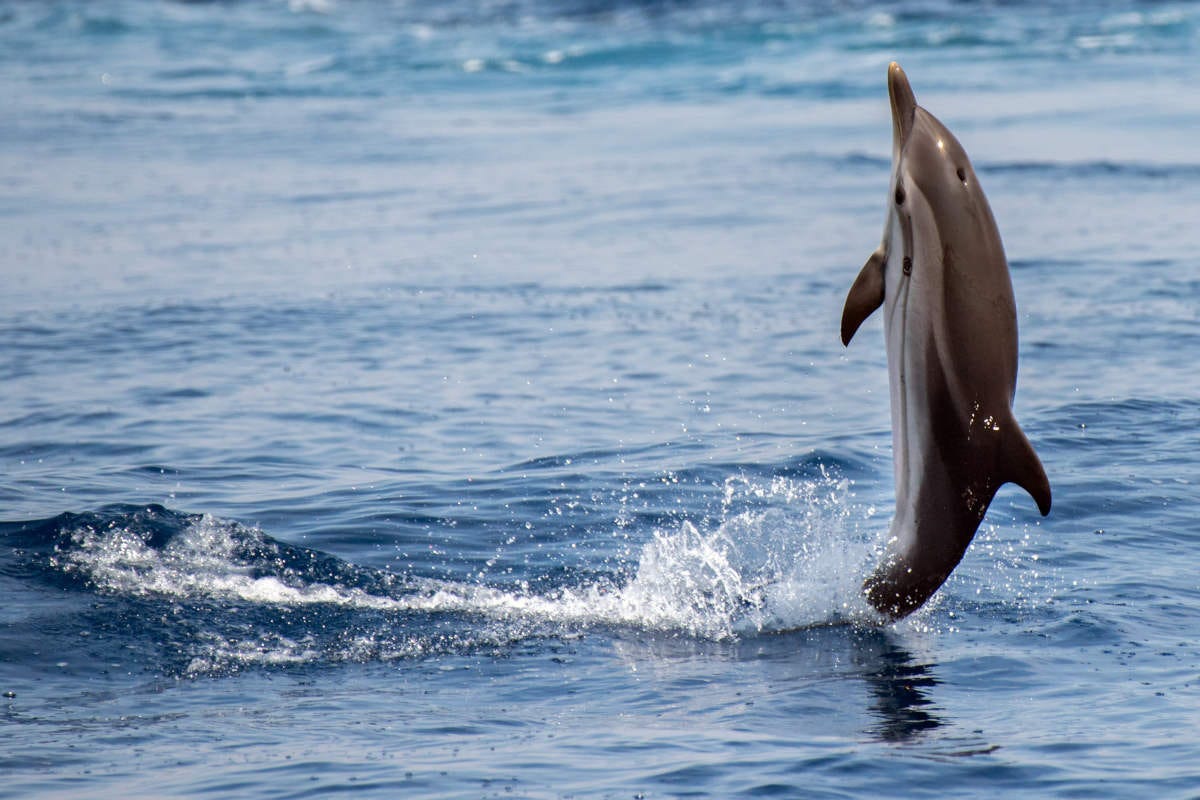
column 865, row 295
column 1024, row 468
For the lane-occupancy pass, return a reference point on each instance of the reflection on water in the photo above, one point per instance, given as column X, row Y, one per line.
column 902, row 688
column 794, row 671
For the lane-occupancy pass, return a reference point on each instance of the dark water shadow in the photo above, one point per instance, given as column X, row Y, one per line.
column 903, row 688
column 827, row 659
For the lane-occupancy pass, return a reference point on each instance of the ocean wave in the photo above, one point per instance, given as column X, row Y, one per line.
column 1089, row 170
column 1067, row 170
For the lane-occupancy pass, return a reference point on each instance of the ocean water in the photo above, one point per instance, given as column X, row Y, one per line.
column 446, row 400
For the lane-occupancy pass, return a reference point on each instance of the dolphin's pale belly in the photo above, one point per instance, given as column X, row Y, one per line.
column 910, row 348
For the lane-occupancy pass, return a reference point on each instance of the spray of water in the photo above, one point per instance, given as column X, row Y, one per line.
column 784, row 553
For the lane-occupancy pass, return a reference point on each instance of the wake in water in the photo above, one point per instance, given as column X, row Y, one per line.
column 788, row 557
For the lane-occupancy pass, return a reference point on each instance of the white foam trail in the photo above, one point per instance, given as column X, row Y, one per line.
column 790, row 560
column 199, row 562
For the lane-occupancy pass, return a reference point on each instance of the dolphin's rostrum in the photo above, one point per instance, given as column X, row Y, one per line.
column 950, row 324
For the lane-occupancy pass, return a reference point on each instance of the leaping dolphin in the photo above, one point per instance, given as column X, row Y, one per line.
column 950, row 325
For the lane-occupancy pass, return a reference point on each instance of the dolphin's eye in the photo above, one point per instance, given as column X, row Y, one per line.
column 962, row 174
column 899, row 195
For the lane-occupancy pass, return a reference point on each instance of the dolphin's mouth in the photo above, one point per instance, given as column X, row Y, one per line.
column 904, row 104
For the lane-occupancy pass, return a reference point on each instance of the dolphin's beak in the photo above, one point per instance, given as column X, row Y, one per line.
column 904, row 104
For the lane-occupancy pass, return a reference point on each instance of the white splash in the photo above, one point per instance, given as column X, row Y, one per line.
column 796, row 563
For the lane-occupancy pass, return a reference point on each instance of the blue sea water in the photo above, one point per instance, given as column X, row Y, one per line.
column 446, row 400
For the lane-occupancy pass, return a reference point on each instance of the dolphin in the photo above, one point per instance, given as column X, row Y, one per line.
column 950, row 326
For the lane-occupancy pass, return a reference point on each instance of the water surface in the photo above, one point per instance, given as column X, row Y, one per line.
column 448, row 402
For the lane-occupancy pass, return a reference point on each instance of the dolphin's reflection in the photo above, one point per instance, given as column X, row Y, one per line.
column 902, row 687
column 794, row 668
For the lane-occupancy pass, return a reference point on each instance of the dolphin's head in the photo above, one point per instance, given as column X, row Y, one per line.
column 926, row 157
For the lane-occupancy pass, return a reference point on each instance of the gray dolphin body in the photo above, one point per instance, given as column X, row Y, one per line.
column 950, row 324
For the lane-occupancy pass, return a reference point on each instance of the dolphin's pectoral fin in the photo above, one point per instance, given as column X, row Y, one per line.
column 865, row 295
column 1024, row 468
